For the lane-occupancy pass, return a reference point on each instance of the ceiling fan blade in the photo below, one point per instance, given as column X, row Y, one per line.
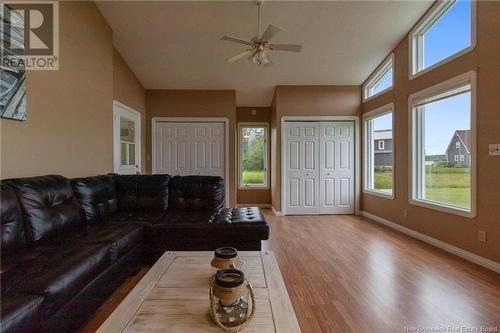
column 240, row 55
column 270, row 32
column 236, row 40
column 286, row 47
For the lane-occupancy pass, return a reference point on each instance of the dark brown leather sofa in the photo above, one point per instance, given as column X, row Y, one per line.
column 68, row 244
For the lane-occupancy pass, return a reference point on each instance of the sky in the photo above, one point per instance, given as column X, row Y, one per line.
column 450, row 35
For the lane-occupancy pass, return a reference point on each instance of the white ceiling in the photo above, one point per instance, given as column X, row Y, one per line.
column 176, row 45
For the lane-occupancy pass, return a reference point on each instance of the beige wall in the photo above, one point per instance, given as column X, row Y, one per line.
column 459, row 231
column 195, row 103
column 254, row 196
column 306, row 101
column 69, row 125
column 128, row 90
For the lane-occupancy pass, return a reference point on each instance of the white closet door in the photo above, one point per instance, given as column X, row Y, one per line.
column 336, row 141
column 207, row 154
column 173, row 148
column 301, row 167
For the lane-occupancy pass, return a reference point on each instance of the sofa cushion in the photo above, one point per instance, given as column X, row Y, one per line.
column 12, row 227
column 143, row 193
column 57, row 273
column 20, row 313
column 120, row 238
column 97, row 197
column 144, row 218
column 48, row 204
column 197, row 193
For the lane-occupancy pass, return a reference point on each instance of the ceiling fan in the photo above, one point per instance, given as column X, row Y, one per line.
column 258, row 53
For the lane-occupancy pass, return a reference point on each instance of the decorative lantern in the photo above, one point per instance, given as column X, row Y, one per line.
column 225, row 258
column 230, row 294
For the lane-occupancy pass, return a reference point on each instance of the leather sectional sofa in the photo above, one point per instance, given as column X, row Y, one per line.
column 68, row 244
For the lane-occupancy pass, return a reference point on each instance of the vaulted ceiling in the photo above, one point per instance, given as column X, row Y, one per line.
column 176, row 45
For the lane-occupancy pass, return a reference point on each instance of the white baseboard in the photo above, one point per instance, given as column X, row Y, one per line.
column 276, row 212
column 255, row 205
column 486, row 263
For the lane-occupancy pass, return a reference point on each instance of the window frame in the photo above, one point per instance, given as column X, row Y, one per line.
column 264, row 125
column 377, row 75
column 416, row 45
column 367, row 159
column 415, row 145
column 381, row 145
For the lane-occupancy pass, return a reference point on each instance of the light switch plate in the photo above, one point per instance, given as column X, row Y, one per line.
column 495, row 149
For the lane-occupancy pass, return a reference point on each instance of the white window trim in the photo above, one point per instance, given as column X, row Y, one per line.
column 457, row 144
column 377, row 74
column 416, row 42
column 466, row 78
column 381, row 145
column 383, row 110
column 456, row 158
column 265, row 186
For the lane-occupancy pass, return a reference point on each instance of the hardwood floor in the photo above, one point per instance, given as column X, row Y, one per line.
column 348, row 274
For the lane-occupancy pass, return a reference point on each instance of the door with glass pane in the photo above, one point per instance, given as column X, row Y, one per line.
column 127, row 139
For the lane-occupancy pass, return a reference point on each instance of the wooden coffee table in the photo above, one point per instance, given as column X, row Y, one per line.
column 173, row 297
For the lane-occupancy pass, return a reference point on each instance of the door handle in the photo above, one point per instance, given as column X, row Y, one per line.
column 308, row 174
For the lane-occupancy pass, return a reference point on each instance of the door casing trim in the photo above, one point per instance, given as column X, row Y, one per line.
column 357, row 156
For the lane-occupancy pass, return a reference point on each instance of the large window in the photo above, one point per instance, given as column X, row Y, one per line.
column 379, row 152
column 253, row 155
column 443, row 172
column 381, row 79
column 446, row 32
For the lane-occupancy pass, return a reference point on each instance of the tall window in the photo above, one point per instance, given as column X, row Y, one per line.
column 443, row 173
column 381, row 79
column 446, row 32
column 379, row 152
column 253, row 155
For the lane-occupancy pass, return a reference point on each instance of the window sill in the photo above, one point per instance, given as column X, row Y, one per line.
column 444, row 208
column 380, row 194
column 251, row 188
column 442, row 62
column 380, row 93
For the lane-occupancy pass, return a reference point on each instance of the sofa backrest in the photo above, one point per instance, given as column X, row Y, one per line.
column 97, row 197
column 197, row 193
column 48, row 204
column 142, row 192
column 12, row 232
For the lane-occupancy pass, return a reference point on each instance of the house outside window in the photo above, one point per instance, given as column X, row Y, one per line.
column 378, row 152
column 448, row 183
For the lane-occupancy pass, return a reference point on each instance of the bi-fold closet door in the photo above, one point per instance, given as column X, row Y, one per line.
column 189, row 148
column 319, row 167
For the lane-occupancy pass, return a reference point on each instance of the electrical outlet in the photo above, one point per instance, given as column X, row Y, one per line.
column 482, row 236
column 494, row 149
column 405, row 212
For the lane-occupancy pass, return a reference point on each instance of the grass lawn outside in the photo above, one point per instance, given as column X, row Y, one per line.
column 253, row 177
column 450, row 185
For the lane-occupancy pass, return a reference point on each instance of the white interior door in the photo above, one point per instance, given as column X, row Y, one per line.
column 336, row 141
column 126, row 139
column 173, row 148
column 208, row 149
column 189, row 148
column 301, row 167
